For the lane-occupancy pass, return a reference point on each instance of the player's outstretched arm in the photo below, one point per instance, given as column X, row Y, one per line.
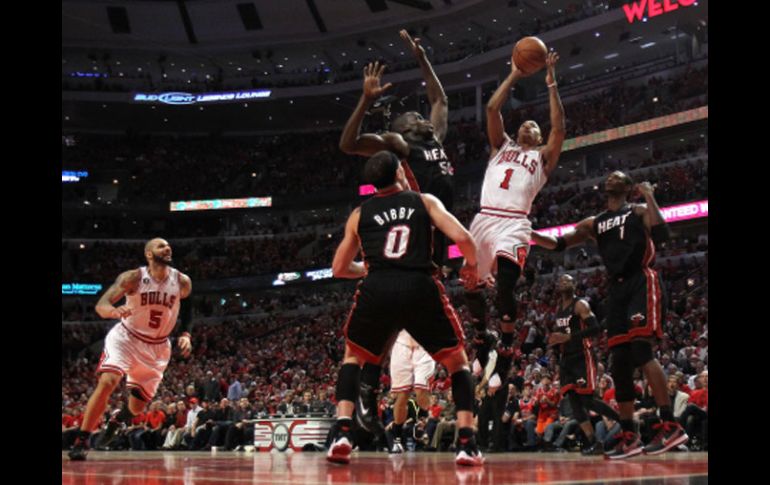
column 584, row 230
column 552, row 149
column 652, row 215
column 439, row 103
column 343, row 265
column 495, row 125
column 352, row 141
column 126, row 283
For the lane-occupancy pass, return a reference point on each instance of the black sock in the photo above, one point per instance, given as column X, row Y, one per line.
column 84, row 435
column 125, row 415
column 398, row 431
column 370, row 375
column 464, row 435
column 462, row 390
column 627, row 425
column 345, row 424
column 666, row 414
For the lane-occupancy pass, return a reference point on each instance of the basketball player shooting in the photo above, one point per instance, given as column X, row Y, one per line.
column 518, row 168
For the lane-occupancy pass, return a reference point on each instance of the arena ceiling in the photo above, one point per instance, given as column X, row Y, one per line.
column 159, row 40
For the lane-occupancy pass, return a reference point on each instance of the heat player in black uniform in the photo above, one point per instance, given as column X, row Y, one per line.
column 400, row 291
column 418, row 144
column 575, row 325
column 416, row 141
column 626, row 235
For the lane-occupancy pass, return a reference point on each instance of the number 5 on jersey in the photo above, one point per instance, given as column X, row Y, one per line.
column 155, row 316
column 396, row 242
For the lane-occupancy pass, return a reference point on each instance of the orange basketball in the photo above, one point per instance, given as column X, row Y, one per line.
column 529, row 55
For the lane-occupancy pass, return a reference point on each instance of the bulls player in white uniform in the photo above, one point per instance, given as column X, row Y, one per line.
column 411, row 367
column 517, row 170
column 138, row 347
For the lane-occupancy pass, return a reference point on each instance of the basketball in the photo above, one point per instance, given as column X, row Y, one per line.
column 529, row 55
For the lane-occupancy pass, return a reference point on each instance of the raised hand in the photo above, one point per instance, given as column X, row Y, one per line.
column 413, row 44
column 550, row 64
column 372, row 75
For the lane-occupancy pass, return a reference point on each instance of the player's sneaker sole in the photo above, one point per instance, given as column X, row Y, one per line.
column 77, row 455
column 465, row 459
column 680, row 440
column 340, row 452
column 628, row 454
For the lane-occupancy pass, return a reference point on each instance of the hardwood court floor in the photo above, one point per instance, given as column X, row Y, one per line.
column 204, row 468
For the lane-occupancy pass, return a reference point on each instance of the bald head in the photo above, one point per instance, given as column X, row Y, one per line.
column 152, row 243
column 158, row 251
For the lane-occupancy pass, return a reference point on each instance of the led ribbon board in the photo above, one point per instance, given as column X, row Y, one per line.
column 217, row 204
column 633, row 129
column 674, row 213
column 181, row 98
column 297, row 277
column 68, row 176
column 80, row 288
column 366, row 190
column 635, row 11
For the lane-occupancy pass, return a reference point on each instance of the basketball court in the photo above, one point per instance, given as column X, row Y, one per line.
column 201, row 468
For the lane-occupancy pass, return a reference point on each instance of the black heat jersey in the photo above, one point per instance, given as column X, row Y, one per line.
column 567, row 321
column 433, row 170
column 624, row 244
column 395, row 232
column 577, row 370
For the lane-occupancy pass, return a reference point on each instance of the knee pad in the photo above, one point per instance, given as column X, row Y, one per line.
column 462, row 390
column 623, row 373
column 641, row 352
column 347, row 382
column 508, row 274
column 577, row 403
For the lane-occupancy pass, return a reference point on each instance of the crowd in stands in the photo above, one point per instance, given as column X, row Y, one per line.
column 273, row 364
column 226, row 257
column 278, row 165
column 267, row 360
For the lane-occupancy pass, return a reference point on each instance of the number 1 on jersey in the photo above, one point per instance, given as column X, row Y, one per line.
column 508, row 174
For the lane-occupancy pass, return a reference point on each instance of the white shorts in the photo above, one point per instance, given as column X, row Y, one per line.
column 500, row 236
column 142, row 363
column 410, row 366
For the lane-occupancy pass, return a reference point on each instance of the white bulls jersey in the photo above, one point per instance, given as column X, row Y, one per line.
column 512, row 180
column 154, row 306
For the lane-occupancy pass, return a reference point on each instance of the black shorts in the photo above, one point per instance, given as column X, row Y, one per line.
column 388, row 301
column 635, row 307
column 577, row 372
